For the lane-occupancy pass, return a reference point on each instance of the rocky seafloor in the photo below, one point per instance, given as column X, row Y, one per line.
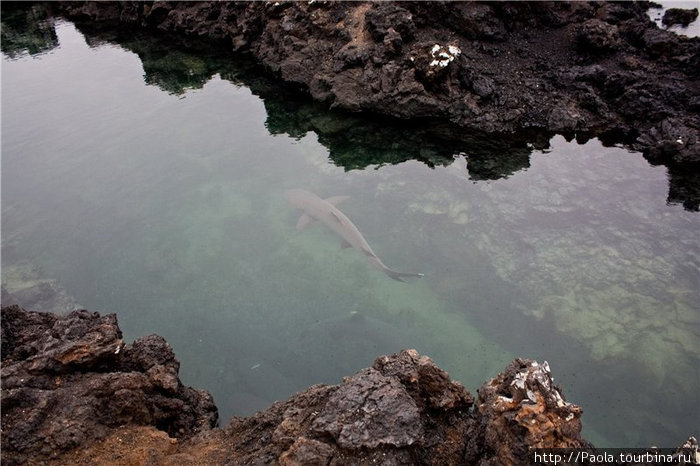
column 73, row 392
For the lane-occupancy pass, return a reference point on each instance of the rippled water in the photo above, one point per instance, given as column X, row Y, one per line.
column 133, row 194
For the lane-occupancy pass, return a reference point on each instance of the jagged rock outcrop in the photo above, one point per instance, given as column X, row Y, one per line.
column 67, row 381
column 681, row 16
column 74, row 393
column 402, row 410
column 520, row 409
column 599, row 68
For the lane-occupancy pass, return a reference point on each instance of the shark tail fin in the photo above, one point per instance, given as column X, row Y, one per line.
column 398, row 276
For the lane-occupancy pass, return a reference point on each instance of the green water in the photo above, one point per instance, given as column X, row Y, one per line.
column 157, row 194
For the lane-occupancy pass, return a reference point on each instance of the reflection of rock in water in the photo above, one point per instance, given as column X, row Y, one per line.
column 26, row 28
column 339, row 346
column 176, row 64
column 22, row 284
column 393, row 74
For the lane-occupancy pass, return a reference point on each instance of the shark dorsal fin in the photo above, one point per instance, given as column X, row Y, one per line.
column 335, row 200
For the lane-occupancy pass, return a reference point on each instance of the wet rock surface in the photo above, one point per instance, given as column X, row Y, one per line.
column 587, row 67
column 74, row 393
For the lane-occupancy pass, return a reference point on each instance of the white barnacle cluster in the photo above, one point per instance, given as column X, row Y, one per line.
column 538, row 375
column 442, row 56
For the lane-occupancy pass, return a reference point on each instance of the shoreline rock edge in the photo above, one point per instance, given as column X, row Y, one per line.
column 74, row 393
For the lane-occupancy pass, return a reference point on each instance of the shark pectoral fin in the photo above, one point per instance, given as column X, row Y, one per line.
column 335, row 200
column 344, row 245
column 335, row 216
column 304, row 222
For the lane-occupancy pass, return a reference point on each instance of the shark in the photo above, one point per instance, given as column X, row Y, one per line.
column 327, row 212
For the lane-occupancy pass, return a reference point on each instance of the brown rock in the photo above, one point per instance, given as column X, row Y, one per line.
column 520, row 409
column 68, row 380
column 306, row 452
column 369, row 410
column 73, row 394
column 595, row 36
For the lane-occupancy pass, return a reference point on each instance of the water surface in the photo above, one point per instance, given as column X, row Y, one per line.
column 163, row 202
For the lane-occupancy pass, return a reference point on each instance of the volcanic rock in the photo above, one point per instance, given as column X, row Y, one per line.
column 521, row 409
column 67, row 381
column 679, row 16
column 75, row 394
column 501, row 67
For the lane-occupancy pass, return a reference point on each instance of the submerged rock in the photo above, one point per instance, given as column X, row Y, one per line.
column 23, row 284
